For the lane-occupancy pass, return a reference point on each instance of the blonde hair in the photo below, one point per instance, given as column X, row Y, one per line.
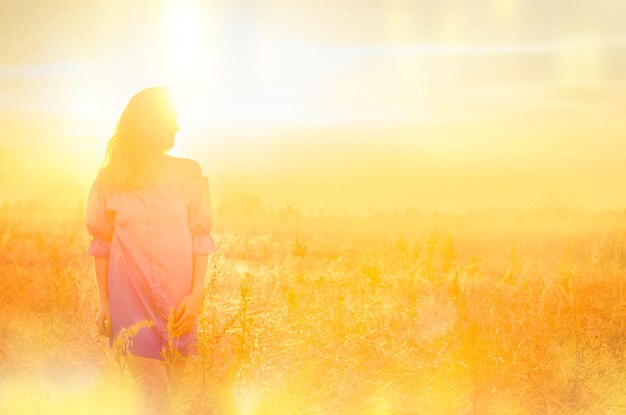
column 144, row 131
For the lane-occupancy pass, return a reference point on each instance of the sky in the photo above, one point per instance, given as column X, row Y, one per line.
column 329, row 104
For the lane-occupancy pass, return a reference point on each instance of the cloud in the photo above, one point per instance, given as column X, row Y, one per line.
column 485, row 49
column 45, row 70
column 587, row 95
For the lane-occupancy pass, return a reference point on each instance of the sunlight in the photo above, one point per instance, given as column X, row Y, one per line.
column 584, row 61
column 86, row 104
column 186, row 44
column 451, row 24
column 400, row 25
column 246, row 400
column 390, row 207
column 505, row 10
column 382, row 403
column 241, row 78
column 76, row 393
column 184, row 39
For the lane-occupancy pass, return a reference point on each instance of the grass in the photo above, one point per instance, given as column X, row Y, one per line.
column 487, row 312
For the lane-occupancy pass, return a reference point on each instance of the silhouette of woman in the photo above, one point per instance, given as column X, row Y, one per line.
column 150, row 217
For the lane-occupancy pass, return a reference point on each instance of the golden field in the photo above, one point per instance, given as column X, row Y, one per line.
column 492, row 311
column 319, row 124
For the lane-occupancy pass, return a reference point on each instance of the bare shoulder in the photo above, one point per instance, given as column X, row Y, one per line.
column 102, row 176
column 187, row 167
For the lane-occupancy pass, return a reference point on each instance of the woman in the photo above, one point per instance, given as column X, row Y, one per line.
column 150, row 217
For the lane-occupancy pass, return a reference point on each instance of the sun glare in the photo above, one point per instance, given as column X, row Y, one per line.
column 86, row 105
column 505, row 10
column 185, row 41
column 584, row 61
column 184, row 37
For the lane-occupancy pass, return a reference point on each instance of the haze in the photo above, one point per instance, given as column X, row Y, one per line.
column 333, row 105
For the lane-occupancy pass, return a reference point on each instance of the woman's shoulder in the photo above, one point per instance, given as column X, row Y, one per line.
column 187, row 168
column 103, row 177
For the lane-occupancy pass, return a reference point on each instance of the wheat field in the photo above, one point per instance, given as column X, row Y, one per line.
column 491, row 311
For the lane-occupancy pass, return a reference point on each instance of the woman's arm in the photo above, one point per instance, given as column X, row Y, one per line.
column 200, row 264
column 187, row 311
column 101, row 266
column 103, row 320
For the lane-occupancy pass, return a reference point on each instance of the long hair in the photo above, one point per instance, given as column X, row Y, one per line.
column 145, row 130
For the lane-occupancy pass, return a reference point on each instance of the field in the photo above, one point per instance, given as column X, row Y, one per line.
column 485, row 312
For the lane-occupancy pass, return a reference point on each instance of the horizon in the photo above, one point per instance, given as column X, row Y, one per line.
column 435, row 106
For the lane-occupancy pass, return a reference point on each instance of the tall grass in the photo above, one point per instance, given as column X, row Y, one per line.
column 487, row 312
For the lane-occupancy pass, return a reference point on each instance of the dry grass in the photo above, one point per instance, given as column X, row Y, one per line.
column 489, row 312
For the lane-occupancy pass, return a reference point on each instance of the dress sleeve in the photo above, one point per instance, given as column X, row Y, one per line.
column 200, row 217
column 99, row 222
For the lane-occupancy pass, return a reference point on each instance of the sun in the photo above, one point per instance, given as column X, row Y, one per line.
column 184, row 38
column 186, row 50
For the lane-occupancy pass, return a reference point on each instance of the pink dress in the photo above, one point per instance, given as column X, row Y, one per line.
column 150, row 236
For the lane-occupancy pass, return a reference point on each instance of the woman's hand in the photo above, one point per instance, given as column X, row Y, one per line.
column 186, row 313
column 103, row 321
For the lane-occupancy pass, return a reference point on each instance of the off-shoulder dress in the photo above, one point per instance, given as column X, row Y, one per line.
column 150, row 236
